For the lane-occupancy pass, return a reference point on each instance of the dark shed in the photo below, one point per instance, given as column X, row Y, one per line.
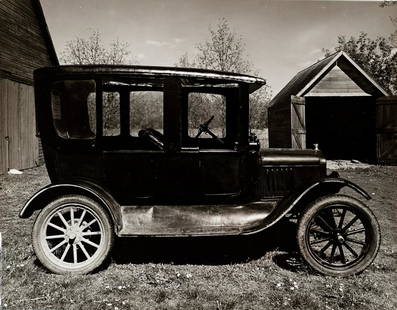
column 333, row 104
column 25, row 45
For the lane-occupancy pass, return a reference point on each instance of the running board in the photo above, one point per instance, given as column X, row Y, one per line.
column 193, row 220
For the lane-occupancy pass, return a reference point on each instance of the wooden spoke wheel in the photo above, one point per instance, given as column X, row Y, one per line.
column 72, row 234
column 338, row 235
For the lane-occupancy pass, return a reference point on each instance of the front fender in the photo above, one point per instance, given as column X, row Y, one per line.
column 296, row 201
column 44, row 196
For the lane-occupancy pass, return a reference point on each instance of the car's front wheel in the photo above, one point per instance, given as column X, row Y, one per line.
column 72, row 234
column 338, row 235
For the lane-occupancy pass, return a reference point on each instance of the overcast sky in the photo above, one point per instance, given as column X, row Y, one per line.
column 281, row 37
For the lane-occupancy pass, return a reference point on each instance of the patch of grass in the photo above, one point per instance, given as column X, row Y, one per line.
column 257, row 272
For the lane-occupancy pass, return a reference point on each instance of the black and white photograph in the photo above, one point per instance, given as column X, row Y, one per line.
column 198, row 154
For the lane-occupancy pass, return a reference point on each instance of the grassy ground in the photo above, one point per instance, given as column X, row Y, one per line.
column 259, row 272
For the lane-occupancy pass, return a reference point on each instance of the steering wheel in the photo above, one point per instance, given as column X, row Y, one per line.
column 152, row 136
column 204, row 128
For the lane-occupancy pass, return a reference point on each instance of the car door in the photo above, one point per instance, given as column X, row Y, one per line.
column 132, row 175
column 180, row 179
column 220, row 172
column 131, row 165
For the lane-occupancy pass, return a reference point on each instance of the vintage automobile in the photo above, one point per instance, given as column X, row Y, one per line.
column 125, row 159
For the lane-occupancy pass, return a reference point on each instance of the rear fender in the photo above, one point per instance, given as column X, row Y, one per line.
column 298, row 201
column 44, row 196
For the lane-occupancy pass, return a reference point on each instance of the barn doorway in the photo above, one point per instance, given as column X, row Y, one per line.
column 344, row 127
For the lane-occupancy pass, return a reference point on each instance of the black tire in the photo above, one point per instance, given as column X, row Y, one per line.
column 338, row 235
column 72, row 235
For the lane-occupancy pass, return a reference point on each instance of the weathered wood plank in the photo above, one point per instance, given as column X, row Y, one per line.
column 298, row 122
column 336, row 81
column 22, row 150
column 14, row 158
column 3, row 128
column 23, row 47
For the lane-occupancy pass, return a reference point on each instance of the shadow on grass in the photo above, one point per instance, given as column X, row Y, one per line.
column 206, row 250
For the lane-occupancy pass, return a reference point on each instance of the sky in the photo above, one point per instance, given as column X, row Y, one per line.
column 281, row 37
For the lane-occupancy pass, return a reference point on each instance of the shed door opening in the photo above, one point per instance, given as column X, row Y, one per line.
column 344, row 128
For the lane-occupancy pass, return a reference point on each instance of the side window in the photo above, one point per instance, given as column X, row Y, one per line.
column 111, row 113
column 146, row 111
column 73, row 108
column 201, row 108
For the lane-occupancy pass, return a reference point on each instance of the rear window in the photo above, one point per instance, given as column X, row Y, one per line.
column 73, row 109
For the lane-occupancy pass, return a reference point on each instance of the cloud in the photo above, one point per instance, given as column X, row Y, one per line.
column 316, row 51
column 158, row 43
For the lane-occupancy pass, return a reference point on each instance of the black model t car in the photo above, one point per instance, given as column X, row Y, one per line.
column 154, row 151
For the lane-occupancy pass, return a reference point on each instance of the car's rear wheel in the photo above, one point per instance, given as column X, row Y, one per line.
column 72, row 234
column 338, row 235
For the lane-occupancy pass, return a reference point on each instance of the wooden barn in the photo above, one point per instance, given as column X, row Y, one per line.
column 25, row 44
column 338, row 106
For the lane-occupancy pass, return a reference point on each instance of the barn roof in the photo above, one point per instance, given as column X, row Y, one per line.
column 306, row 79
column 25, row 42
column 46, row 32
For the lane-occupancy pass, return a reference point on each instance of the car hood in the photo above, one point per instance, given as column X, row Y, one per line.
column 292, row 157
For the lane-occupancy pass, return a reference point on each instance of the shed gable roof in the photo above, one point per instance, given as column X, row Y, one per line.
column 306, row 79
column 336, row 83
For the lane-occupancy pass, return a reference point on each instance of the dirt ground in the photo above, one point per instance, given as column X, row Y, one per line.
column 257, row 272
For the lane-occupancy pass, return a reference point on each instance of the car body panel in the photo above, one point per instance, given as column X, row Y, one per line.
column 179, row 185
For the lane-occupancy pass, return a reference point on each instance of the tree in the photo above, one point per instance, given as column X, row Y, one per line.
column 225, row 50
column 378, row 57
column 91, row 50
column 387, row 3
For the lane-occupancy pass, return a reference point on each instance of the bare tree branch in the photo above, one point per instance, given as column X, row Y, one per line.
column 225, row 50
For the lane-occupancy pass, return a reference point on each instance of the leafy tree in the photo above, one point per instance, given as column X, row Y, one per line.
column 224, row 50
column 387, row 3
column 378, row 57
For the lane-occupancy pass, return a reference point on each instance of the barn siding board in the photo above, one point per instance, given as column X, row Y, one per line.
column 22, row 150
column 13, row 125
column 24, row 43
column 3, row 127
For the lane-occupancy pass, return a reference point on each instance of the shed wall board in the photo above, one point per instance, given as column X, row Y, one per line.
column 386, row 129
column 298, row 122
column 336, row 82
column 279, row 122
